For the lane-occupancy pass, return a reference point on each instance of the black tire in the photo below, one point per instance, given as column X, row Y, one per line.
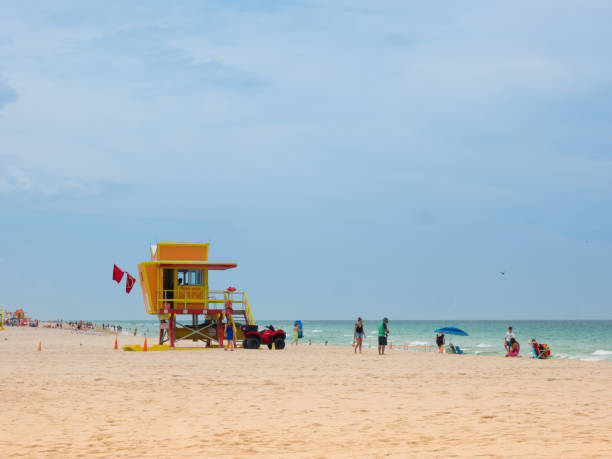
column 279, row 344
column 244, row 344
column 252, row 342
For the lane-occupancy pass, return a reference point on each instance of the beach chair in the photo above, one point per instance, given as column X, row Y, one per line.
column 540, row 351
column 452, row 349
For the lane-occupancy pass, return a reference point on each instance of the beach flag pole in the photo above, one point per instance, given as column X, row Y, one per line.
column 116, row 342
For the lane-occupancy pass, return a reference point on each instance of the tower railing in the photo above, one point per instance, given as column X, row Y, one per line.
column 239, row 303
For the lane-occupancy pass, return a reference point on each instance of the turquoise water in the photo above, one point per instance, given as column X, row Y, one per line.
column 568, row 339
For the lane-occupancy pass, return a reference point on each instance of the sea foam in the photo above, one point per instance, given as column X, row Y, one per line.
column 602, row 352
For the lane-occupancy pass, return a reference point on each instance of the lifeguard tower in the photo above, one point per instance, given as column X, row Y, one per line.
column 175, row 283
column 19, row 318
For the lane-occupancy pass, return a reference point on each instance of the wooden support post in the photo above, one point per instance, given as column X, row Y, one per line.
column 171, row 329
column 194, row 324
column 220, row 331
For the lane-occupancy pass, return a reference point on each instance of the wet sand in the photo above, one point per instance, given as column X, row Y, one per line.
column 79, row 397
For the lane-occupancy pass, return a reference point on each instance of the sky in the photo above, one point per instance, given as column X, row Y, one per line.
column 353, row 157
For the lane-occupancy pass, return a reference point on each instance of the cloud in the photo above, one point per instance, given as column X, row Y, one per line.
column 16, row 178
column 7, row 95
column 313, row 93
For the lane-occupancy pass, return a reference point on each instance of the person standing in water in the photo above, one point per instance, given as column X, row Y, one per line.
column 383, row 331
column 508, row 339
column 358, row 334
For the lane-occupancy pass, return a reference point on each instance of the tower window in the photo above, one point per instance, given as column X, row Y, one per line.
column 190, row 277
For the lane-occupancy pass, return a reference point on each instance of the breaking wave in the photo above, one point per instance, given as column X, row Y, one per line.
column 602, row 352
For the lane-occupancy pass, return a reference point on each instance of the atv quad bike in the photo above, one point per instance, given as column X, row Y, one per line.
column 270, row 336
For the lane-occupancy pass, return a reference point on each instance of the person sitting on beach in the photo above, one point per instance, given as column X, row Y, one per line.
column 440, row 342
column 508, row 338
column 358, row 334
column 515, row 348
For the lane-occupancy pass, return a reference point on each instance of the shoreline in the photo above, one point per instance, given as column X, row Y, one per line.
column 575, row 340
column 372, row 349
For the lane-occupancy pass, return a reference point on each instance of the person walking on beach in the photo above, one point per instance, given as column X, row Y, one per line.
column 229, row 334
column 383, row 331
column 508, row 338
column 440, row 342
column 358, row 334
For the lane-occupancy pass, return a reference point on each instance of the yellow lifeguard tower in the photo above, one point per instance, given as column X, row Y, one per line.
column 175, row 282
column 19, row 318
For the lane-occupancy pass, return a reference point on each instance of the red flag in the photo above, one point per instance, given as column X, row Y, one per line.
column 117, row 274
column 129, row 283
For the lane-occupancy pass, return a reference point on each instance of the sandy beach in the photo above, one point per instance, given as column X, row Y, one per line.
column 79, row 397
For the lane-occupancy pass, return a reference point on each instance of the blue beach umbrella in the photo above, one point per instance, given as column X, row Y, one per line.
column 451, row 331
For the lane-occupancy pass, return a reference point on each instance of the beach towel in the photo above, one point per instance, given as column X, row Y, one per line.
column 300, row 333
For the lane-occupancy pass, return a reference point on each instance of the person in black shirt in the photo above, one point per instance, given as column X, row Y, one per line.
column 440, row 342
column 358, row 334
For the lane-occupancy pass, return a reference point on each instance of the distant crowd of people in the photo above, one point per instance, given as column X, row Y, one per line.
column 87, row 326
column 74, row 325
column 82, row 325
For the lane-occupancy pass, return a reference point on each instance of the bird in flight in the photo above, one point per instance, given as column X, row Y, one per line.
column 503, row 273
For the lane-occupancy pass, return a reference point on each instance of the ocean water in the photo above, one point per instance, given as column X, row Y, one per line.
column 568, row 339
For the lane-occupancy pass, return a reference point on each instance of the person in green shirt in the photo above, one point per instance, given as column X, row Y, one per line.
column 383, row 331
